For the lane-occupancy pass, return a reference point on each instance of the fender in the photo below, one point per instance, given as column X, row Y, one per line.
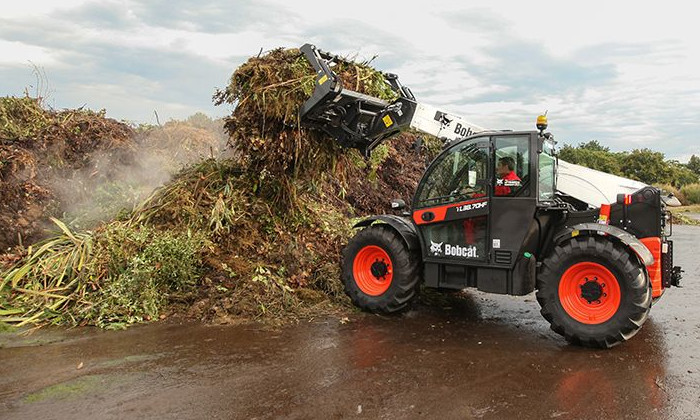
column 645, row 256
column 402, row 226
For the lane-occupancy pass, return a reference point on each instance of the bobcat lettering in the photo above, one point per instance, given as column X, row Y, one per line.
column 463, row 131
column 468, row 251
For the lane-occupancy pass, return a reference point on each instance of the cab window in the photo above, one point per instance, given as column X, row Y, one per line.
column 546, row 186
column 459, row 173
column 511, row 166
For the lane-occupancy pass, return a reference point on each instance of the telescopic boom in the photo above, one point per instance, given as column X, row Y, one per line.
column 360, row 121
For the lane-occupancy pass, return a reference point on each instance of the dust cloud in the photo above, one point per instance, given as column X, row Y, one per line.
column 112, row 183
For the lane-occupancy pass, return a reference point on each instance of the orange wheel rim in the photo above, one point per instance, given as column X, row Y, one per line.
column 589, row 293
column 373, row 270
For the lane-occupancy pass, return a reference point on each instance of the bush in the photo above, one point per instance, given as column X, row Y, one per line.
column 692, row 193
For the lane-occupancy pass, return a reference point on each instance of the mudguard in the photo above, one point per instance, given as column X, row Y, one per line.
column 645, row 256
column 401, row 225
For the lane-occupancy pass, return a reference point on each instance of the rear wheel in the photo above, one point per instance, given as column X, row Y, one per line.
column 593, row 292
column 380, row 274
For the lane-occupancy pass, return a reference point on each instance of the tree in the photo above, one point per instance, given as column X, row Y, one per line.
column 682, row 175
column 593, row 156
column 694, row 164
column 643, row 165
column 647, row 166
column 593, row 145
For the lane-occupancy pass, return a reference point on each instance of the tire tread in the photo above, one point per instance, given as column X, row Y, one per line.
column 406, row 266
column 634, row 308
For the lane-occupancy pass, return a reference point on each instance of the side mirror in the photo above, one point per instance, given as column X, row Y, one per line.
column 398, row 204
column 541, row 139
column 670, row 200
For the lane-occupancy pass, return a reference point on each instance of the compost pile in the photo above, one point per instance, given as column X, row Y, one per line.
column 252, row 233
column 37, row 147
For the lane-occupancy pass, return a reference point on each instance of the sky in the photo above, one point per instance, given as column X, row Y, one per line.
column 625, row 73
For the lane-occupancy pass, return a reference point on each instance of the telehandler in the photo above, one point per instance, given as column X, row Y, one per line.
column 496, row 210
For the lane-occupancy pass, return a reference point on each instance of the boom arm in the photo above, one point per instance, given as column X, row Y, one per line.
column 363, row 122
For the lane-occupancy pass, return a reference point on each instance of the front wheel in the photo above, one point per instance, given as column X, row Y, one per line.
column 379, row 272
column 593, row 292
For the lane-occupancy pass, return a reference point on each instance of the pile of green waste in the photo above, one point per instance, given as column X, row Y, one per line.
column 254, row 235
column 38, row 145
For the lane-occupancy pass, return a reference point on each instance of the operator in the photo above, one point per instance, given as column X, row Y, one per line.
column 507, row 177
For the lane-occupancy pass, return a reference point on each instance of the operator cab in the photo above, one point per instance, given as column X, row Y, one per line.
column 475, row 206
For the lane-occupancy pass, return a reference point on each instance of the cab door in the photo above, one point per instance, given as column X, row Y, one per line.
column 451, row 205
column 514, row 197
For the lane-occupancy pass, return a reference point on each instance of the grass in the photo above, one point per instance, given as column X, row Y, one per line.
column 693, row 208
column 681, row 218
column 71, row 389
column 79, row 387
column 692, row 193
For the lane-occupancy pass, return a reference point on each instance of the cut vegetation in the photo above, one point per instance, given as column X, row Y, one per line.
column 253, row 233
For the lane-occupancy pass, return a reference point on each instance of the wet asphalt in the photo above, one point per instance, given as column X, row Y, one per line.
column 480, row 356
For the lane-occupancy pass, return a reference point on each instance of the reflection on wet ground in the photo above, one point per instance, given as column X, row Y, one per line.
column 483, row 356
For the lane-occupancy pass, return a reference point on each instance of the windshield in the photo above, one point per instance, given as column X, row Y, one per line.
column 458, row 174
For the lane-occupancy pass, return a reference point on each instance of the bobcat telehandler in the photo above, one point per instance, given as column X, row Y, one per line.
column 593, row 246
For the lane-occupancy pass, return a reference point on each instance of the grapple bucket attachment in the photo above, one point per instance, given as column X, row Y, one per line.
column 352, row 118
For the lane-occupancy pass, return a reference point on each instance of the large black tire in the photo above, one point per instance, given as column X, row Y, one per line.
column 573, row 288
column 379, row 272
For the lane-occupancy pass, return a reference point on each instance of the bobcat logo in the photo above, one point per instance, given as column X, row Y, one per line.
column 508, row 183
column 436, row 248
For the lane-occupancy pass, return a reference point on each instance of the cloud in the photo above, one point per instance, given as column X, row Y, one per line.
column 210, row 16
column 31, row 53
column 104, row 15
column 214, row 17
column 354, row 38
column 627, row 85
column 113, row 70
